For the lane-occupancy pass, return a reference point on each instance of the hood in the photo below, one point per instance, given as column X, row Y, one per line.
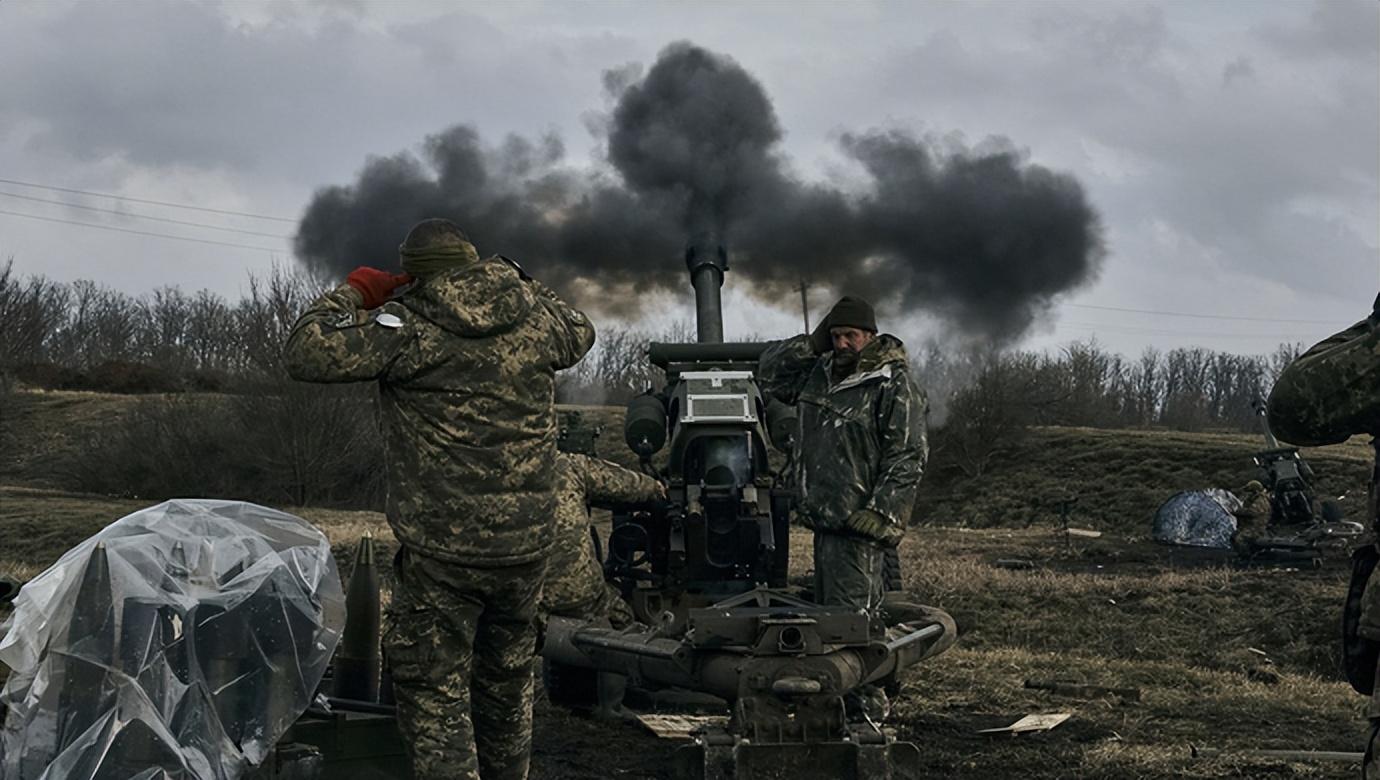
column 875, row 360
column 483, row 299
column 884, row 350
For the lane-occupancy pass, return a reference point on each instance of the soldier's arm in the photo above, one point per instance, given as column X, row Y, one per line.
column 610, row 484
column 902, row 434
column 1329, row 393
column 784, row 366
column 573, row 332
column 335, row 341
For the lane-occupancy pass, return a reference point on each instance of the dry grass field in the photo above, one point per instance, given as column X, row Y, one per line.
column 1224, row 658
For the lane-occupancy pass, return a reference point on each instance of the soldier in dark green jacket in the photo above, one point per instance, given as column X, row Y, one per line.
column 1329, row 394
column 465, row 359
column 862, row 446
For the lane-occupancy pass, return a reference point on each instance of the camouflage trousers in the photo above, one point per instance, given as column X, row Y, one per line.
column 575, row 586
column 599, row 601
column 460, row 643
column 849, row 571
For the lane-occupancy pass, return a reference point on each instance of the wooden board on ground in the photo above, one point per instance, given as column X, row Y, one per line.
column 1031, row 723
column 679, row 726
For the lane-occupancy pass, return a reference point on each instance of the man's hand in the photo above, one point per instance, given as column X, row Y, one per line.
column 869, row 524
column 374, row 285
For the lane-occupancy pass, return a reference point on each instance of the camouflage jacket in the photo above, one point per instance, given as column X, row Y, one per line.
column 862, row 441
column 1330, row 393
column 466, row 377
column 573, row 576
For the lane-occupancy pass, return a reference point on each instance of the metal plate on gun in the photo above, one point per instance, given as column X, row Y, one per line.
column 718, row 396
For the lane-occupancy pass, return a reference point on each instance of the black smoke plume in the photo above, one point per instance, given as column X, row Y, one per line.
column 980, row 237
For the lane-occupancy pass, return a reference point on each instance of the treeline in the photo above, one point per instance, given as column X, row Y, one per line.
column 1189, row 388
column 986, row 401
column 252, row 433
column 83, row 335
column 86, row 336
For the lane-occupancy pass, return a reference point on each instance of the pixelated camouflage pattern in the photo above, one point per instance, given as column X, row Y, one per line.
column 862, row 440
column 575, row 585
column 1332, row 391
column 1252, row 519
column 460, row 642
column 466, row 386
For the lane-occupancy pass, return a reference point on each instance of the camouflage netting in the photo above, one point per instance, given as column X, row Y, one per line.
column 1197, row 518
column 179, row 642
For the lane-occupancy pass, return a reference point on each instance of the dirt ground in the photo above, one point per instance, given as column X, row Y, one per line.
column 1234, row 659
column 1226, row 658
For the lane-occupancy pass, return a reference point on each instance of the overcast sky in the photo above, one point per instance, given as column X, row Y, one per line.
column 1232, row 148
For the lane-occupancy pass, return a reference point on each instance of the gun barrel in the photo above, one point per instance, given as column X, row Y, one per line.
column 1271, row 443
column 707, row 261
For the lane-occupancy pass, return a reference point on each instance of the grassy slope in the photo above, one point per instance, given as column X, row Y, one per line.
column 1183, row 636
column 1120, row 477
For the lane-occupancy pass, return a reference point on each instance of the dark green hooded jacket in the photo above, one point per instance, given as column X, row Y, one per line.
column 862, row 440
column 466, row 377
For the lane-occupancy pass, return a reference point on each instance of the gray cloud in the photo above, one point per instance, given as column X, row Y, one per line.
column 1266, row 184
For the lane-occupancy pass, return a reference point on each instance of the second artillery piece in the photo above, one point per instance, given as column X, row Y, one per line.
column 1298, row 521
column 705, row 575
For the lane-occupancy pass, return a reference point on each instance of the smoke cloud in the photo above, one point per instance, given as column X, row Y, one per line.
column 979, row 237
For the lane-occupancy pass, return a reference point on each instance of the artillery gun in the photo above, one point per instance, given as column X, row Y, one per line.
column 705, row 575
column 1298, row 522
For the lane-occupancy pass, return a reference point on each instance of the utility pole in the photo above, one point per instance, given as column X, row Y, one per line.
column 804, row 304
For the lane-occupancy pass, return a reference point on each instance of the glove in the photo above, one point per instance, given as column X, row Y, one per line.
column 374, row 285
column 872, row 525
column 820, row 340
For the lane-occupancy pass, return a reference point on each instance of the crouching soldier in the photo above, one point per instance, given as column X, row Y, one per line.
column 575, row 587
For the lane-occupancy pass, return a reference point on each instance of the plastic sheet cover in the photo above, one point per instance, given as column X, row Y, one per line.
column 1198, row 518
column 179, row 642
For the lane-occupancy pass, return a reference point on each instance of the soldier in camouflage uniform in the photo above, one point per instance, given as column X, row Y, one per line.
column 862, row 446
column 465, row 360
column 575, row 585
column 1330, row 393
column 862, row 449
column 1252, row 519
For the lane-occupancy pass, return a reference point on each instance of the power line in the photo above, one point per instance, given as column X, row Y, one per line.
column 142, row 216
column 138, row 232
column 1197, row 334
column 144, row 200
column 1203, row 316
